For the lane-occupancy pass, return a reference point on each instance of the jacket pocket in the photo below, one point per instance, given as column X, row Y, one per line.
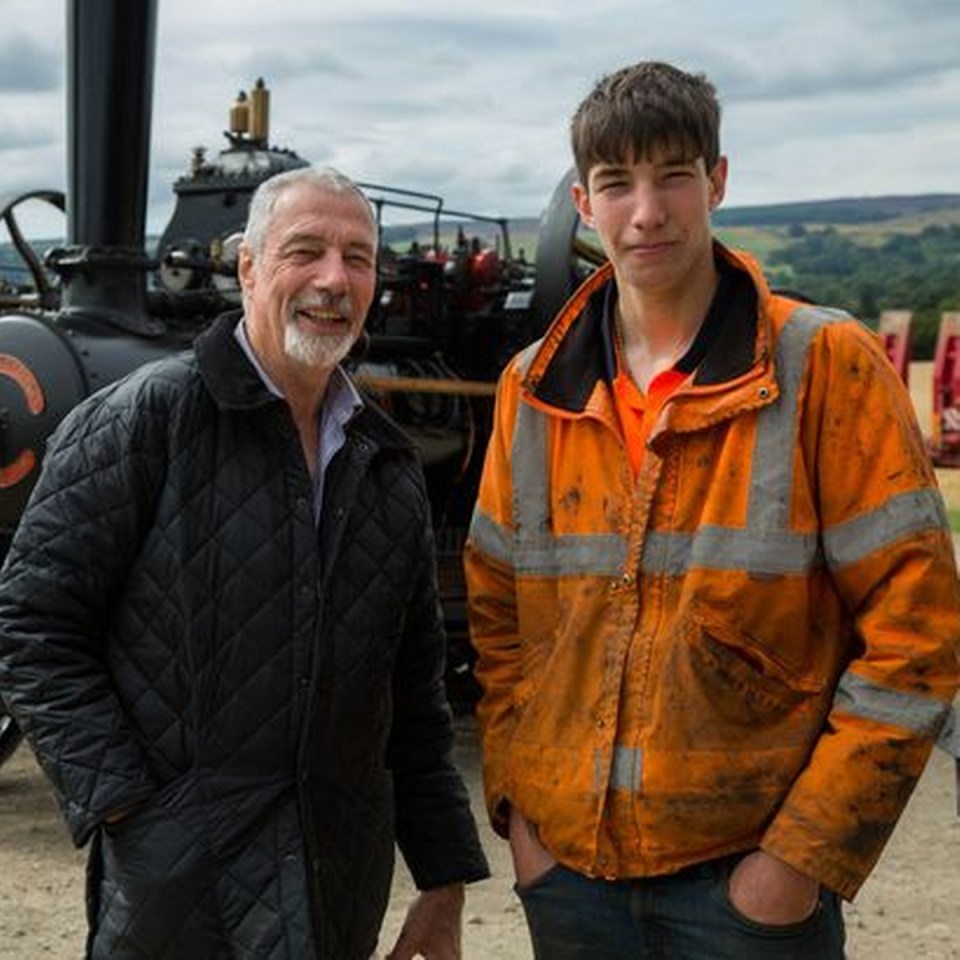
column 752, row 662
column 736, row 687
column 730, row 730
column 156, row 885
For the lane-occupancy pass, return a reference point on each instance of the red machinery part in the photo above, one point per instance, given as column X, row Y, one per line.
column 945, row 441
column 894, row 330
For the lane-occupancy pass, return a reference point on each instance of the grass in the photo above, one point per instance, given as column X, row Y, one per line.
column 954, row 517
column 760, row 241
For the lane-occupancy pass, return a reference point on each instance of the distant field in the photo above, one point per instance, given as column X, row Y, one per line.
column 874, row 234
column 760, row 241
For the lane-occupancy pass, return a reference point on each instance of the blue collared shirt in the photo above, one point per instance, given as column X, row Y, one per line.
column 341, row 403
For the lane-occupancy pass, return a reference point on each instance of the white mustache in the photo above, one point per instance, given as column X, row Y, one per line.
column 340, row 305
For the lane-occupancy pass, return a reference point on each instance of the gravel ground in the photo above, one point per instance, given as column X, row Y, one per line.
column 906, row 910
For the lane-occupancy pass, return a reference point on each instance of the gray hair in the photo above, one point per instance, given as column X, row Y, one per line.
column 265, row 198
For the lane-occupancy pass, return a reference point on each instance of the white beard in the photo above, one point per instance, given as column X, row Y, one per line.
column 316, row 350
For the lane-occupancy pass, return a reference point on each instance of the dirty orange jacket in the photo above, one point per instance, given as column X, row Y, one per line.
column 752, row 644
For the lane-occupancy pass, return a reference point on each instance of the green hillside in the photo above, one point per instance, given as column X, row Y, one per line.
column 849, row 211
column 865, row 254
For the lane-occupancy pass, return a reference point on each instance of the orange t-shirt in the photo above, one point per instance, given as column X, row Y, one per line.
column 638, row 411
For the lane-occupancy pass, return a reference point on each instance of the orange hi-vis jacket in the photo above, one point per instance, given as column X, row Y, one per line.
column 753, row 642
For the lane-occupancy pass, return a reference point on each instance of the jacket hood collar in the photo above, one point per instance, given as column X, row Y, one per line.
column 577, row 350
column 227, row 372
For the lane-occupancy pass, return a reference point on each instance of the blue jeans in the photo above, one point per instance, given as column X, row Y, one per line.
column 687, row 916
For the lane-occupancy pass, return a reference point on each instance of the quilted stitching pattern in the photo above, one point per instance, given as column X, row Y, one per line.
column 252, row 700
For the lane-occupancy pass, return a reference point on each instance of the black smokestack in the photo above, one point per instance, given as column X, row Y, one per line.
column 110, row 66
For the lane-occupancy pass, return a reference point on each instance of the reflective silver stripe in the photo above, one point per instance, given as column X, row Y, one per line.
column 901, row 516
column 862, row 698
column 727, row 548
column 771, row 480
column 526, row 356
column 786, row 552
column 537, row 550
column 528, row 461
column 529, row 473
column 626, row 772
column 600, row 555
column 572, row 555
column 531, row 492
column 771, row 483
column 767, row 546
column 491, row 538
column 948, row 739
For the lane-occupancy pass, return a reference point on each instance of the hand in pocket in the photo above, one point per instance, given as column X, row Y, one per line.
column 766, row 890
column 531, row 860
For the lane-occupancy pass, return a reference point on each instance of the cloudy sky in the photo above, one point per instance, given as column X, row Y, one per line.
column 822, row 98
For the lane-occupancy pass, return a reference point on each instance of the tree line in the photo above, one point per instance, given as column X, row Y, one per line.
column 905, row 271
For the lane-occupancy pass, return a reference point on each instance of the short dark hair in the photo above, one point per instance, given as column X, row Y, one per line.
column 644, row 108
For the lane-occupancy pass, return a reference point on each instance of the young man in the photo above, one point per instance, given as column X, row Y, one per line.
column 219, row 628
column 712, row 587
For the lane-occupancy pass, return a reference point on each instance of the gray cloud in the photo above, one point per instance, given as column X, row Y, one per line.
column 28, row 64
column 285, row 63
column 18, row 137
column 820, row 98
column 465, row 30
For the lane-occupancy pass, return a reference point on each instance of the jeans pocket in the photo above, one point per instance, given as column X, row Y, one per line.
column 774, row 929
column 723, row 870
column 541, row 880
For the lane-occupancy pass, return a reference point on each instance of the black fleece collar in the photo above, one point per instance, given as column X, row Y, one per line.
column 723, row 349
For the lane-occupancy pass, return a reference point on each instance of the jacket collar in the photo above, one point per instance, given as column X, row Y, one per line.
column 577, row 350
column 235, row 384
column 231, row 379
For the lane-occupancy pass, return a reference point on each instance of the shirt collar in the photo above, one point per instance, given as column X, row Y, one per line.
column 240, row 332
column 342, row 399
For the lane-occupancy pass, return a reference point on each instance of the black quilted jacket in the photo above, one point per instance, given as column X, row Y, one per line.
column 177, row 640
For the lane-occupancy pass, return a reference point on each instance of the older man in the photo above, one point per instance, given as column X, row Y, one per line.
column 219, row 628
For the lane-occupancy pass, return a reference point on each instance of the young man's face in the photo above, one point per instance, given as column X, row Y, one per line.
column 653, row 218
column 307, row 293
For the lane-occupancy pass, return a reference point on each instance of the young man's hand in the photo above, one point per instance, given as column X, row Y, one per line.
column 433, row 926
column 531, row 859
column 765, row 889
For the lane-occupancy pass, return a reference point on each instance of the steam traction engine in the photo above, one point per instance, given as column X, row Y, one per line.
column 451, row 308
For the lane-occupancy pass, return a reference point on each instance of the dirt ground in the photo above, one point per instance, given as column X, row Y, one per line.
column 909, row 908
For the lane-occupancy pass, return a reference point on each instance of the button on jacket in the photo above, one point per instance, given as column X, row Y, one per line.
column 752, row 643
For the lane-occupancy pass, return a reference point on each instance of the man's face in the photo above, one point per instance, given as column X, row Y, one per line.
column 306, row 295
column 653, row 218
